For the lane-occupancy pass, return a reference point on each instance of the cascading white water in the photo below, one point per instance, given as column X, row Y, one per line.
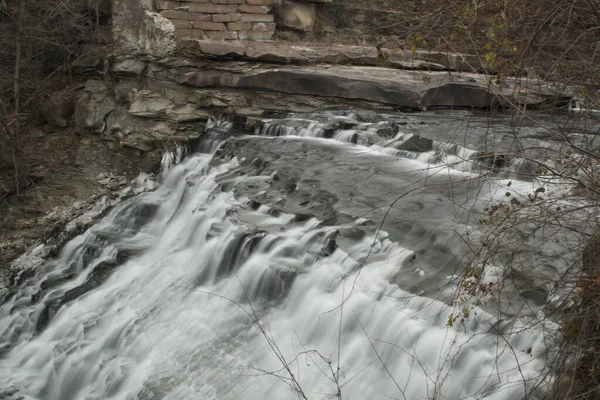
column 171, row 158
column 300, row 127
column 368, row 134
column 188, row 292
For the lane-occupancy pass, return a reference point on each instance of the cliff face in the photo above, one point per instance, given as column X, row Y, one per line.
column 161, row 86
column 138, row 29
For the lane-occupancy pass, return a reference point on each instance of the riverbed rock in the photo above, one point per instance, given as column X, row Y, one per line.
column 415, row 143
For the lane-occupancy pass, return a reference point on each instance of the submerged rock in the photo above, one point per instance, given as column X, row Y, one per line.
column 416, row 143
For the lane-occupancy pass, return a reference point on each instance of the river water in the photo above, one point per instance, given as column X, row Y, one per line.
column 315, row 259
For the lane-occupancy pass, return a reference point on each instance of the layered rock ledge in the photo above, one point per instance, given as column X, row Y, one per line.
column 143, row 100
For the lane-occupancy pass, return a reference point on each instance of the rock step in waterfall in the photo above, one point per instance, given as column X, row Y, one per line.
column 390, row 135
column 179, row 289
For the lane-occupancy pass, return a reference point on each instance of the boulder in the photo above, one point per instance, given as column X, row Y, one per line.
column 58, row 109
column 492, row 160
column 415, row 143
column 146, row 103
column 297, row 15
column 131, row 66
column 91, row 59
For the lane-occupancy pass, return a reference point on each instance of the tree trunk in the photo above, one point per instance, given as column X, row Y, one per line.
column 17, row 83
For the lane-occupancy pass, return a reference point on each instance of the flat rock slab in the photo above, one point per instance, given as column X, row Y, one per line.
column 402, row 89
column 388, row 87
column 293, row 53
column 337, row 82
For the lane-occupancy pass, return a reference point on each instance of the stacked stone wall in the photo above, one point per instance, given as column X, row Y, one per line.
column 220, row 19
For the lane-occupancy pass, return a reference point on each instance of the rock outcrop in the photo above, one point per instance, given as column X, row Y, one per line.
column 161, row 83
column 137, row 29
column 94, row 104
column 178, row 95
column 164, row 90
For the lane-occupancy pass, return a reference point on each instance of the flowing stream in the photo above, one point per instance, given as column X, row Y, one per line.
column 316, row 259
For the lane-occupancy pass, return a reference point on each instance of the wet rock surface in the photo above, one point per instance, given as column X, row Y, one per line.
column 400, row 89
column 155, row 101
column 337, row 184
column 144, row 100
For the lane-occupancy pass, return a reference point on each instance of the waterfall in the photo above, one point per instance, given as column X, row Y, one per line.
column 193, row 291
column 375, row 136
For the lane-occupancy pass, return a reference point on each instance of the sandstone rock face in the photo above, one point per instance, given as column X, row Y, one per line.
column 93, row 105
column 400, row 89
column 166, row 100
column 147, row 103
column 343, row 83
column 139, row 133
column 297, row 15
column 139, row 30
column 143, row 119
column 91, row 60
column 330, row 53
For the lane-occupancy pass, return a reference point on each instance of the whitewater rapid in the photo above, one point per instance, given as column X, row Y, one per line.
column 193, row 291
